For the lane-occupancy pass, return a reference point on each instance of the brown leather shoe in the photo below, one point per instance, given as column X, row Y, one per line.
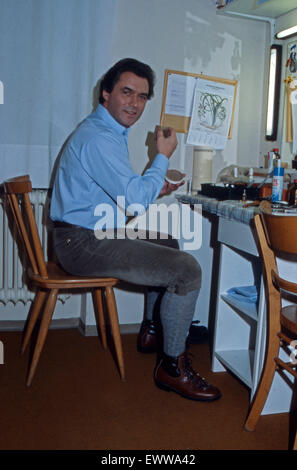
column 147, row 341
column 177, row 375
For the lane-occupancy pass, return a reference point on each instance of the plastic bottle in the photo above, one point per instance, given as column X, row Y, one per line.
column 277, row 182
column 251, row 175
column 292, row 193
column 276, row 154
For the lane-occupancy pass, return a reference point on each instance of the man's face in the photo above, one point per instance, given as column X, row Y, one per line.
column 128, row 98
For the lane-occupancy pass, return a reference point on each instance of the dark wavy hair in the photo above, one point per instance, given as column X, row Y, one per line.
column 112, row 76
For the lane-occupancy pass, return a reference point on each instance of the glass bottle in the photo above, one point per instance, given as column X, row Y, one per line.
column 292, row 193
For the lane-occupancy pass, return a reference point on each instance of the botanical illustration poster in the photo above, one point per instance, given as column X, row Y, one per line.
column 211, row 114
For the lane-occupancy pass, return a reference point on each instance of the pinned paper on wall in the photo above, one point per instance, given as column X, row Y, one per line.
column 179, row 97
column 211, row 114
column 192, row 101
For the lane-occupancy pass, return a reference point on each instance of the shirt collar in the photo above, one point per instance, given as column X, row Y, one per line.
column 105, row 115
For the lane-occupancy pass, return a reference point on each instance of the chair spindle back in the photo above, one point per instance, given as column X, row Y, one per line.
column 24, row 218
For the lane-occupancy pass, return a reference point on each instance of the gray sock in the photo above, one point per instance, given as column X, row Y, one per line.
column 176, row 314
column 151, row 303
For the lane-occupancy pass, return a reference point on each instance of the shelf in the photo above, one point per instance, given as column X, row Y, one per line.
column 261, row 8
column 240, row 362
column 248, row 308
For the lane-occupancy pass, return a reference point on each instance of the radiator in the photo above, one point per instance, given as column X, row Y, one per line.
column 12, row 286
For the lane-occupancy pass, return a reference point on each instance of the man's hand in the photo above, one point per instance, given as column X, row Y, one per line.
column 169, row 187
column 166, row 140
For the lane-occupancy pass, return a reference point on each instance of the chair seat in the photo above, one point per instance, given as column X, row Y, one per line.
column 59, row 279
column 288, row 318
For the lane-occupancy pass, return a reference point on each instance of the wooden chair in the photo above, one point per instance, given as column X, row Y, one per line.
column 277, row 234
column 48, row 279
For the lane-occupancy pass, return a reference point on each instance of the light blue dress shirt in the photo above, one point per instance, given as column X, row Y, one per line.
column 95, row 176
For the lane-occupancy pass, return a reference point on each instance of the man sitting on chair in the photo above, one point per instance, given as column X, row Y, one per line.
column 94, row 169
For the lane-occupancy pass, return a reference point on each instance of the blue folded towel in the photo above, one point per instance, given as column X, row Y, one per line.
column 244, row 293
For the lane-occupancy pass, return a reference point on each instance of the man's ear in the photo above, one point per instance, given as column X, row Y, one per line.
column 105, row 95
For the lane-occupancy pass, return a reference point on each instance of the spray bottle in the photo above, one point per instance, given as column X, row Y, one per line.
column 277, row 181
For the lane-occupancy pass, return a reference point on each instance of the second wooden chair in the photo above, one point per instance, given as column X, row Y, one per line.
column 277, row 235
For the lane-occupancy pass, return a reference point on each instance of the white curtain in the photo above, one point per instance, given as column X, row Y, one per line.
column 52, row 54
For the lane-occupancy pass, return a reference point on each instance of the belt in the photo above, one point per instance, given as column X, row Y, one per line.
column 58, row 224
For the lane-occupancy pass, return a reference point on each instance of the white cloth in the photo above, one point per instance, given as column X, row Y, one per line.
column 52, row 55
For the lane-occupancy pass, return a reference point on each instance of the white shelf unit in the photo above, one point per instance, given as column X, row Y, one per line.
column 250, row 309
column 239, row 327
column 238, row 324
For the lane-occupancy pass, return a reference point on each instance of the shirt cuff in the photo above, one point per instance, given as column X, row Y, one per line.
column 161, row 162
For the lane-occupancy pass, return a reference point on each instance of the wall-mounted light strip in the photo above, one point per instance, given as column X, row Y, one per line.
column 273, row 92
column 286, row 33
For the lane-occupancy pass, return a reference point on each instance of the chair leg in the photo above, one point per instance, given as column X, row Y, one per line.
column 97, row 295
column 295, row 442
column 264, row 385
column 115, row 328
column 44, row 326
column 36, row 307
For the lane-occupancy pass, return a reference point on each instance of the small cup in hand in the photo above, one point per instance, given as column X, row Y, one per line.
column 174, row 176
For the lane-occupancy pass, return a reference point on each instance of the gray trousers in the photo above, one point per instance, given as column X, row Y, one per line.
column 156, row 263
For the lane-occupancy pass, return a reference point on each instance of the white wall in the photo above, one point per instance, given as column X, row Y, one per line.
column 190, row 36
